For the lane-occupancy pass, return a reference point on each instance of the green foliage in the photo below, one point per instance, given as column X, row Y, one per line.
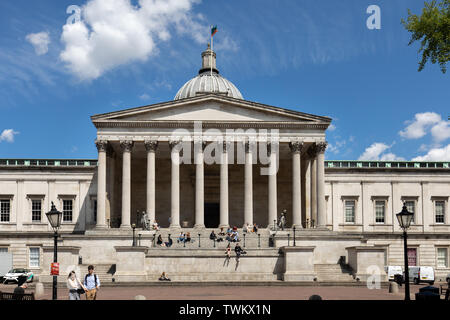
column 432, row 29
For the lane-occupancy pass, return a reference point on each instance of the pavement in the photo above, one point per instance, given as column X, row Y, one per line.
column 193, row 292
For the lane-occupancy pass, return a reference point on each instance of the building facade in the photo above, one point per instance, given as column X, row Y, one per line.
column 211, row 159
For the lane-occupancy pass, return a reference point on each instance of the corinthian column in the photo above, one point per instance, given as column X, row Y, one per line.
column 296, row 148
column 321, row 212
column 224, row 220
column 101, row 184
column 272, row 201
column 127, row 147
column 175, row 184
column 248, row 204
column 151, row 146
column 199, row 185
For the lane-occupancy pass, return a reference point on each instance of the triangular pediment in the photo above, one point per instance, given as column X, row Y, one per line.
column 210, row 108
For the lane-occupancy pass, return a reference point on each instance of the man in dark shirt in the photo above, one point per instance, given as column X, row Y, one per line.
column 19, row 291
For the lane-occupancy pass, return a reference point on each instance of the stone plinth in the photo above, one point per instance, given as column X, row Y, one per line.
column 298, row 263
column 130, row 266
column 367, row 261
column 67, row 258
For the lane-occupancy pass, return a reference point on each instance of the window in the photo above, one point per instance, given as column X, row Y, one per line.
column 350, row 211
column 380, row 207
column 3, row 250
column 34, row 257
column 5, row 210
column 36, row 210
column 442, row 258
column 67, row 210
column 411, row 206
column 439, row 209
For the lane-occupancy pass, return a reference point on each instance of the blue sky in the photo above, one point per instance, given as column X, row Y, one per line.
column 317, row 57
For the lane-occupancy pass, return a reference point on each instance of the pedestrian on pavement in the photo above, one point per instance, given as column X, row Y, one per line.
column 75, row 286
column 92, row 284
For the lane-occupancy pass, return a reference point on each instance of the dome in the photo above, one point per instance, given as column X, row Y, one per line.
column 208, row 81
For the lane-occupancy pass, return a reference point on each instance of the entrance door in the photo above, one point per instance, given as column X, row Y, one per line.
column 412, row 257
column 212, row 215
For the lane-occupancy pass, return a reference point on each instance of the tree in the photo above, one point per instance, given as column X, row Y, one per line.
column 432, row 29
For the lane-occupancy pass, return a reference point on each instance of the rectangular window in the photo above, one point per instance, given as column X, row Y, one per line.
column 442, row 258
column 411, row 206
column 67, row 210
column 34, row 257
column 3, row 250
column 380, row 207
column 439, row 207
column 350, row 211
column 36, row 210
column 5, row 210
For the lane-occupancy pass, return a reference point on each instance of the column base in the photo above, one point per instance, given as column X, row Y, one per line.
column 199, row 226
column 101, row 227
column 125, row 227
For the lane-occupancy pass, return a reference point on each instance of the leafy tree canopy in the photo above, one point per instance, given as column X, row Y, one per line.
column 432, row 29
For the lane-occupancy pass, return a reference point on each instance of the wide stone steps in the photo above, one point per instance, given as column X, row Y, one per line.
column 333, row 272
column 105, row 272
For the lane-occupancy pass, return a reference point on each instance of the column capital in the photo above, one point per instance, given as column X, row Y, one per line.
column 174, row 145
column 272, row 146
column 127, row 145
column 102, row 145
column 151, row 145
column 296, row 146
column 321, row 146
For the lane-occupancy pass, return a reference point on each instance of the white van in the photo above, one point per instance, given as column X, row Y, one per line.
column 392, row 271
column 421, row 274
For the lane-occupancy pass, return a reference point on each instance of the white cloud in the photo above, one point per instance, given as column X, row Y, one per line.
column 422, row 123
column 436, row 154
column 144, row 97
column 376, row 152
column 8, row 135
column 332, row 127
column 40, row 42
column 117, row 32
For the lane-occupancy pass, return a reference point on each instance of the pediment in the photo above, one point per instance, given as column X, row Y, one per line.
column 209, row 108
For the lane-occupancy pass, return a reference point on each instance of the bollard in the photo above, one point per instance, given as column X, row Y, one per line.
column 294, row 236
column 259, row 240
column 393, row 287
column 39, row 291
column 140, row 237
column 289, row 239
column 140, row 297
column 199, row 240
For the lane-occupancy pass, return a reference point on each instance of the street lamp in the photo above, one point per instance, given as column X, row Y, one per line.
column 294, row 236
column 133, row 226
column 404, row 220
column 54, row 217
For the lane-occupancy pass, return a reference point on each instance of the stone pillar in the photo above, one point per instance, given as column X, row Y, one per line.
column 127, row 147
column 248, row 204
column 175, row 184
column 224, row 213
column 321, row 210
column 101, row 184
column 151, row 146
column 199, row 184
column 272, row 200
column 308, row 193
column 313, row 164
column 296, row 148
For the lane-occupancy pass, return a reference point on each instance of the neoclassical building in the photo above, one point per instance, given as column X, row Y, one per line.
column 211, row 159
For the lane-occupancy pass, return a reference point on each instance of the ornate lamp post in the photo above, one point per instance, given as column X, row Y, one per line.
column 404, row 219
column 54, row 217
column 133, row 226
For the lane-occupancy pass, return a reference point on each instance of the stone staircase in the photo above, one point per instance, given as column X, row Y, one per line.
column 252, row 241
column 333, row 273
column 105, row 272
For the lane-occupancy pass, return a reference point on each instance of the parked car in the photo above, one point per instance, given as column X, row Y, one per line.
column 14, row 274
column 421, row 274
column 392, row 271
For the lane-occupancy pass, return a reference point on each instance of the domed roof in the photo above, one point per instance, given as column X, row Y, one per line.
column 208, row 81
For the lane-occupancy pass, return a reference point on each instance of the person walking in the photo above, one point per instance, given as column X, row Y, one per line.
column 91, row 283
column 74, row 285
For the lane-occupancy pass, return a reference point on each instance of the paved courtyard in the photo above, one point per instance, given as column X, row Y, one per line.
column 236, row 293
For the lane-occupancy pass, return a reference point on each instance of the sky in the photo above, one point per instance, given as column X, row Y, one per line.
column 64, row 61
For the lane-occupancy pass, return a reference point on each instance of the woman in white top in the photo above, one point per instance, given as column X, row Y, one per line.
column 73, row 284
